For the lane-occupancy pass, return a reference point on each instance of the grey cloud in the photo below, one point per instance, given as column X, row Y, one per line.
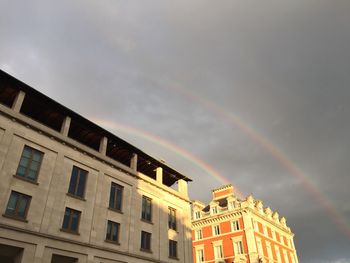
column 281, row 67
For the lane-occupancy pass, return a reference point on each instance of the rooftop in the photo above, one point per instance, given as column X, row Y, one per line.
column 52, row 114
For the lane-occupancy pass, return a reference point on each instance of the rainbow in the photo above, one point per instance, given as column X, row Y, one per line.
column 251, row 133
column 281, row 157
column 109, row 125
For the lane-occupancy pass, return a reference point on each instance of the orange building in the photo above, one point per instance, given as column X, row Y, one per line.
column 232, row 230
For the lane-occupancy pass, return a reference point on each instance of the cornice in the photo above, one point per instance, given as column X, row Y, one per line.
column 272, row 222
column 217, row 218
column 50, row 133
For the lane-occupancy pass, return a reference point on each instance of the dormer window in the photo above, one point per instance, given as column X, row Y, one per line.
column 197, row 215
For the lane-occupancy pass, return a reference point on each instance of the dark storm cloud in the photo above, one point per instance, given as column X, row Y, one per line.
column 281, row 67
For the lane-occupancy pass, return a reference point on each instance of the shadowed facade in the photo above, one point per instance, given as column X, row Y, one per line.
column 71, row 191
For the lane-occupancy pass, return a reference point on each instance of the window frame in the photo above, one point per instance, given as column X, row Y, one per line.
column 214, row 230
column 19, row 197
column 221, row 256
column 113, row 224
column 30, row 161
column 235, row 226
column 144, row 209
column 171, row 249
column 197, row 235
column 197, row 214
column 75, row 194
column 69, row 229
column 238, row 247
column 200, row 255
column 172, row 221
column 147, row 237
column 117, row 187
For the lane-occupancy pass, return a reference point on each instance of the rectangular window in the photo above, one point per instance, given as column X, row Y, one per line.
column 214, row 210
column 172, row 249
column 216, row 230
column 77, row 182
column 172, row 218
column 235, row 225
column 199, row 234
column 112, row 231
column 197, row 214
column 200, row 255
column 238, row 247
column 145, row 241
column 278, row 237
column 115, row 197
column 18, row 205
column 146, row 209
column 71, row 220
column 260, row 248
column 29, row 164
column 269, row 232
column 269, row 250
column 218, row 252
column 278, row 254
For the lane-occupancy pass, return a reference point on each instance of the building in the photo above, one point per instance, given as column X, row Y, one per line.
column 71, row 191
column 233, row 230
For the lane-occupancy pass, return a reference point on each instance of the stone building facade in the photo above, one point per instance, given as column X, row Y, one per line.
column 232, row 230
column 71, row 191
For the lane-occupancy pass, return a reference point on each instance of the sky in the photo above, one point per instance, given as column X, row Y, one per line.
column 253, row 93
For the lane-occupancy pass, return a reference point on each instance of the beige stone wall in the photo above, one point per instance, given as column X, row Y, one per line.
column 41, row 236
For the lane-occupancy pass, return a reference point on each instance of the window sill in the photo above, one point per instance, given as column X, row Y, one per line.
column 25, row 179
column 15, row 218
column 70, row 231
column 175, row 258
column 146, row 221
column 146, row 250
column 76, row 197
column 112, row 242
column 115, row 210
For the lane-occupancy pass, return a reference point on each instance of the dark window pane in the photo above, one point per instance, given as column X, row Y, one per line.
column 146, row 209
column 145, row 240
column 172, row 248
column 24, row 162
column 77, row 182
column 119, row 199
column 30, row 163
column 36, row 156
column 66, row 219
column 26, row 152
column 112, row 231
column 111, row 197
column 73, row 181
column 81, row 184
column 75, row 221
column 22, row 207
column 18, row 204
column 71, row 219
column 11, row 206
column 21, row 171
column 115, row 232
column 172, row 218
column 109, row 231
